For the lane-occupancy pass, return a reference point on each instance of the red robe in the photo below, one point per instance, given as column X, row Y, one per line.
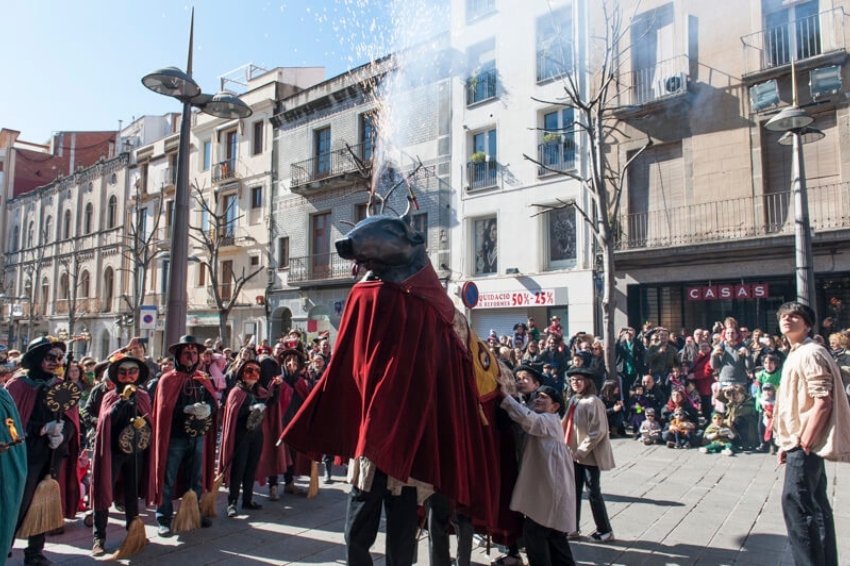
column 229, row 418
column 167, row 392
column 25, row 395
column 101, row 476
column 273, row 459
column 400, row 390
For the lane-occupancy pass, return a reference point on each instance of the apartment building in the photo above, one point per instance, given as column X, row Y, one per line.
column 230, row 182
column 707, row 229
column 518, row 235
column 333, row 141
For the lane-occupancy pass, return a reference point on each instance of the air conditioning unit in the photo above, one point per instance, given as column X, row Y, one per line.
column 675, row 84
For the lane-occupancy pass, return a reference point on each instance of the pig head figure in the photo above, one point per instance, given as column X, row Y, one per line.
column 387, row 246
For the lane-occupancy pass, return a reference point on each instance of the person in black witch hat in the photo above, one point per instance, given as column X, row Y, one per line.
column 184, row 407
column 52, row 439
column 121, row 443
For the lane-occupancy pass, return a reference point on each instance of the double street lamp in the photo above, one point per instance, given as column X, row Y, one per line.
column 173, row 82
column 795, row 122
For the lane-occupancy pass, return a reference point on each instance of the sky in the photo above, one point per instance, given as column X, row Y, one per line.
column 77, row 65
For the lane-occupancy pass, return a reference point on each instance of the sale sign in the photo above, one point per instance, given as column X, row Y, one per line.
column 524, row 298
column 724, row 292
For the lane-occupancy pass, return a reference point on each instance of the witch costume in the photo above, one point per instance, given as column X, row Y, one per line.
column 13, row 469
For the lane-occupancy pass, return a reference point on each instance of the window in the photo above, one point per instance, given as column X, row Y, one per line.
column 283, row 253
column 656, row 194
column 163, row 279
column 112, row 212
column 226, row 279
column 66, row 225
column 360, row 212
column 45, row 294
column 322, row 151
column 478, row 8
column 368, row 135
column 420, row 224
column 48, row 228
column 87, row 218
column 230, row 205
column 202, row 274
column 257, row 197
column 554, row 45
column 30, row 234
column 481, row 85
column 561, row 241
column 792, row 30
column 64, row 288
column 169, row 215
column 207, row 155
column 16, row 239
column 258, row 137
column 108, row 289
column 171, row 172
column 659, row 55
column 255, row 260
column 557, row 145
column 482, row 162
column 143, row 225
column 485, row 241
column 85, row 284
column 320, row 245
column 143, row 178
column 231, row 151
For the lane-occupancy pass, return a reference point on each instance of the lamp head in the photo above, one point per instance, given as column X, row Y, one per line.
column 790, row 118
column 171, row 81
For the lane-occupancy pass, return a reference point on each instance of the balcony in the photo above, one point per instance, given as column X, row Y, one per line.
column 481, row 175
column 169, row 177
column 318, row 268
column 807, row 40
column 224, row 171
column 330, row 169
column 481, row 86
column 82, row 307
column 557, row 155
column 734, row 219
column 223, row 238
column 663, row 81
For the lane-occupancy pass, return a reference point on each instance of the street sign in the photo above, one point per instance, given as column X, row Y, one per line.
column 147, row 317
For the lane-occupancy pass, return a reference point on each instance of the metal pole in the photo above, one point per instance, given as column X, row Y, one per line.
column 804, row 267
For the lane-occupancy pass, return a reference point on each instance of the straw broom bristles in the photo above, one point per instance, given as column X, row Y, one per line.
column 134, row 543
column 313, row 490
column 188, row 516
column 208, row 499
column 45, row 512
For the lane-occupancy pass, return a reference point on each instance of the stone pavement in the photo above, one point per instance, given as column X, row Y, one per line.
column 668, row 508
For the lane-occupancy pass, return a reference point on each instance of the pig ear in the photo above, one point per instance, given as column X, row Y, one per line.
column 415, row 237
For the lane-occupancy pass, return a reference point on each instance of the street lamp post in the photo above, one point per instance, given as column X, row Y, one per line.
column 173, row 82
column 795, row 123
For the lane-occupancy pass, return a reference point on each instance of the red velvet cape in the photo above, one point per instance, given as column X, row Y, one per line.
column 24, row 396
column 230, row 416
column 167, row 391
column 400, row 390
column 102, row 481
column 273, row 459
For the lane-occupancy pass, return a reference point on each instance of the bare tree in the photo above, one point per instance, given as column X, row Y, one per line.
column 594, row 120
column 32, row 273
column 72, row 268
column 139, row 252
column 224, row 288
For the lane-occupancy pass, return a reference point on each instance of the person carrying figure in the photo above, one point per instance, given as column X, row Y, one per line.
column 810, row 421
column 52, row 439
column 122, row 437
column 184, row 407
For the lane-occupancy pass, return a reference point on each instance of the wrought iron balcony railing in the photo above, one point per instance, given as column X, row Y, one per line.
column 554, row 60
column 767, row 215
column 665, row 79
column 224, row 171
column 319, row 267
column 799, row 40
column 558, row 155
column 324, row 167
column 481, row 86
column 481, row 175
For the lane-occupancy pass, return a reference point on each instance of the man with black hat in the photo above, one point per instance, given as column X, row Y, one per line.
column 122, row 437
column 184, row 408
column 52, row 437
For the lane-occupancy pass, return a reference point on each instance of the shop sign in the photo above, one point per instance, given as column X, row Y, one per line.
column 202, row 319
column 722, row 292
column 507, row 299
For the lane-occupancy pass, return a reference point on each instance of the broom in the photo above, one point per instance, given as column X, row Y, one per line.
column 188, row 516
column 134, row 543
column 45, row 512
column 313, row 490
column 208, row 499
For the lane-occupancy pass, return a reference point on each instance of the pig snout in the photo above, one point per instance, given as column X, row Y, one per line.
column 345, row 248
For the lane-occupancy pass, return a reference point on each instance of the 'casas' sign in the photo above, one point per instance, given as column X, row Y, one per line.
column 721, row 292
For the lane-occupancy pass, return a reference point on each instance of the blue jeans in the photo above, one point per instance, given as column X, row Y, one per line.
column 808, row 515
column 181, row 450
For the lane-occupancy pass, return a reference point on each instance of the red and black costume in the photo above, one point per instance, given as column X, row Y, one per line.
column 274, row 458
column 400, row 391
column 29, row 392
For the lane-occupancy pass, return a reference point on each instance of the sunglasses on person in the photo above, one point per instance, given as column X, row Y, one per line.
column 54, row 358
column 251, row 370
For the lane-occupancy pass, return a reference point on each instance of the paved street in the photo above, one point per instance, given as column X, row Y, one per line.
column 668, row 507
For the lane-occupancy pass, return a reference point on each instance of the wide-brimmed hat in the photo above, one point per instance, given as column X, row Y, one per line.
column 185, row 340
column 582, row 371
column 37, row 348
column 119, row 360
column 533, row 372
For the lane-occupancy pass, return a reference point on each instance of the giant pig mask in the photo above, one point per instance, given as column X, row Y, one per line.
column 387, row 246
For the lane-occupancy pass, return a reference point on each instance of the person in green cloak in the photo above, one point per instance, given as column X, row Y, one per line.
column 13, row 470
